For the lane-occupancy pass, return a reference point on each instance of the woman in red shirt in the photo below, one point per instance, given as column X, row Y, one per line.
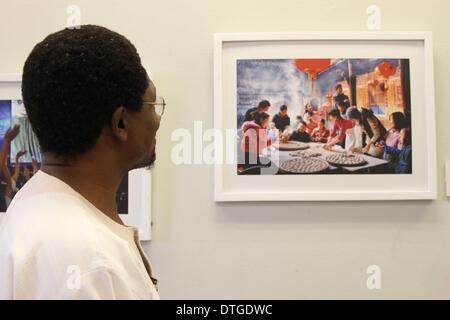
column 340, row 127
column 255, row 139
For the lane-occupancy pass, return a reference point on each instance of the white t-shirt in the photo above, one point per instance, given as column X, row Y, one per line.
column 54, row 244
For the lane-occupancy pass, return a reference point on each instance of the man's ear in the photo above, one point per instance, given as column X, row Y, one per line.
column 119, row 124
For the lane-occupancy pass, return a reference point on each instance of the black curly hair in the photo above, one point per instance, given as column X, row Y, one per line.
column 72, row 83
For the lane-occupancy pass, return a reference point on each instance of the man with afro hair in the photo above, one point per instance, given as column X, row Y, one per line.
column 95, row 113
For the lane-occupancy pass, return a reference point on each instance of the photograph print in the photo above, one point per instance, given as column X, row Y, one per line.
column 323, row 116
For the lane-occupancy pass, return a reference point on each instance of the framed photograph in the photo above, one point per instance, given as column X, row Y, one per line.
column 324, row 116
column 133, row 197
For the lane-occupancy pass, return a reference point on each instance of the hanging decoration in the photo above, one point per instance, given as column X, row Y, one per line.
column 312, row 67
column 386, row 70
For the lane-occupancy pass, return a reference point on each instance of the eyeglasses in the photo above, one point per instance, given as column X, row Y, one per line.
column 159, row 104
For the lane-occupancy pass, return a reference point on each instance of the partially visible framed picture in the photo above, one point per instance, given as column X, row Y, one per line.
column 133, row 197
column 325, row 116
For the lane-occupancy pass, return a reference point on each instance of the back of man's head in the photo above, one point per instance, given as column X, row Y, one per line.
column 72, row 83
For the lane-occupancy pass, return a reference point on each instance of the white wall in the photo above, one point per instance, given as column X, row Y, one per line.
column 291, row 250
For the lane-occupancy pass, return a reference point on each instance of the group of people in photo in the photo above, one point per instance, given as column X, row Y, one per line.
column 355, row 130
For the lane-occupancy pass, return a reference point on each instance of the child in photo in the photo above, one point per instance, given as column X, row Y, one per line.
column 321, row 133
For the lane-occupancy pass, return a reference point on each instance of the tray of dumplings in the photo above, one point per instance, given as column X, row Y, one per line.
column 345, row 160
column 290, row 146
column 304, row 165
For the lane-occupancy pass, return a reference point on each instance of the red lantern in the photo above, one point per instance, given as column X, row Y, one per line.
column 386, row 69
column 312, row 67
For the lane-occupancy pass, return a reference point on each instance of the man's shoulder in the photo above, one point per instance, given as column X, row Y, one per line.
column 53, row 227
column 46, row 198
column 54, row 220
column 48, row 237
column 47, row 216
column 42, row 205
